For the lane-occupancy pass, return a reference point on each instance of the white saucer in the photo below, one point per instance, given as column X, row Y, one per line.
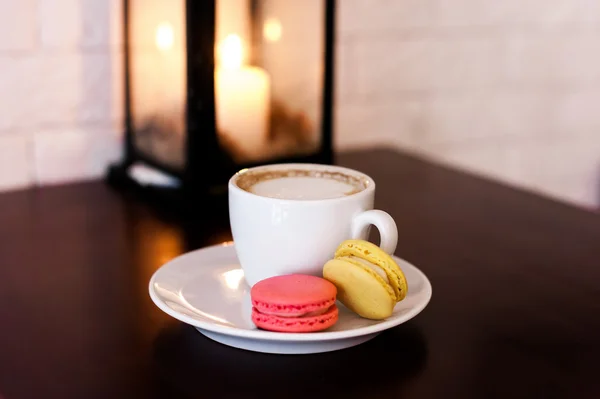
column 206, row 289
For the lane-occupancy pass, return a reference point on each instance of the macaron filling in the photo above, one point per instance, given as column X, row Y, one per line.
column 304, row 310
column 377, row 269
column 296, row 324
column 295, row 315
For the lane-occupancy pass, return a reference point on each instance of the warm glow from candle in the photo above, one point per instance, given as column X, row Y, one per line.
column 164, row 36
column 272, row 30
column 242, row 97
column 231, row 52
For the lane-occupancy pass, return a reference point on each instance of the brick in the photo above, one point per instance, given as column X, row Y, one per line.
column 484, row 157
column 385, row 67
column 60, row 23
column 15, row 158
column 561, row 157
column 589, row 12
column 470, row 13
column 68, row 155
column 426, row 64
column 531, row 162
column 455, row 117
column 369, row 16
column 17, row 25
column 345, row 73
column 505, row 15
column 101, row 23
column 544, row 13
column 37, row 89
column 399, row 123
column 577, row 112
column 555, row 59
column 73, row 24
column 40, row 89
column 527, row 114
column 100, row 96
column 116, row 23
column 117, row 87
column 565, row 168
column 60, row 89
column 11, row 91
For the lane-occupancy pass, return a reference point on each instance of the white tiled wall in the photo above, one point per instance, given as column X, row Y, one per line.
column 509, row 89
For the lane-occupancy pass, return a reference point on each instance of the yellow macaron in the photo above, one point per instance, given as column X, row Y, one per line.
column 368, row 280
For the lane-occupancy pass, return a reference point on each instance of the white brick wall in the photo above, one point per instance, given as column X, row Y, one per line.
column 60, row 90
column 18, row 28
column 15, row 165
column 508, row 89
column 57, row 151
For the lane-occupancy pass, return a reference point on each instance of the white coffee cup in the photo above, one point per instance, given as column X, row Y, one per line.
column 275, row 236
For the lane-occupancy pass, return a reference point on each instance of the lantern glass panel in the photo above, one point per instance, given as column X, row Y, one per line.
column 268, row 74
column 269, row 58
column 157, row 52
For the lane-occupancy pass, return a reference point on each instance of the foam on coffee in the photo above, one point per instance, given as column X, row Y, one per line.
column 299, row 184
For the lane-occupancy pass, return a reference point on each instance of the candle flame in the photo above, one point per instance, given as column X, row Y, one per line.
column 272, row 30
column 164, row 36
column 231, row 52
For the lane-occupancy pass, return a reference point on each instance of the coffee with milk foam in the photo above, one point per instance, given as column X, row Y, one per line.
column 299, row 184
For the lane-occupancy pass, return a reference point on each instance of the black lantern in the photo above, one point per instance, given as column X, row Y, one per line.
column 214, row 86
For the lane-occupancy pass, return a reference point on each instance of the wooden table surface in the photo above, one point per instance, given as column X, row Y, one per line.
column 515, row 311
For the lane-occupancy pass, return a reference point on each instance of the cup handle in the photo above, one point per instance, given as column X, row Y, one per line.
column 388, row 231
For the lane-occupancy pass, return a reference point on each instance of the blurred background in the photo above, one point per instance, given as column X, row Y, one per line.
column 506, row 89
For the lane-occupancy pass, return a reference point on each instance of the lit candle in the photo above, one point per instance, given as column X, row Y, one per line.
column 242, row 98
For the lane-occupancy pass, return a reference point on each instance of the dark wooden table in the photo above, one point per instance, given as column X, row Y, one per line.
column 515, row 309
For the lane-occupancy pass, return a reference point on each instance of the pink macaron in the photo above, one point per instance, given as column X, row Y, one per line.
column 294, row 303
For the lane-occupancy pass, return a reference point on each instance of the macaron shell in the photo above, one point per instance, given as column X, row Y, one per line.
column 293, row 294
column 295, row 324
column 360, row 289
column 372, row 253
